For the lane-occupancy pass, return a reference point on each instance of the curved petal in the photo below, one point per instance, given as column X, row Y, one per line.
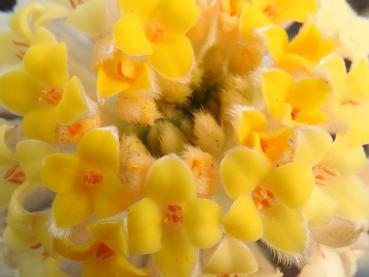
column 108, row 83
column 292, row 183
column 177, row 257
column 165, row 58
column 358, row 82
column 112, row 197
column 276, row 40
column 299, row 11
column 130, row 37
column 72, row 208
column 243, row 220
column 178, row 16
column 170, row 181
column 19, row 92
column 73, row 251
column 351, row 196
column 47, row 63
column 311, row 144
column 144, row 220
column 231, row 256
column 202, row 219
column 242, row 169
column 252, row 18
column 40, row 124
column 30, row 155
column 144, row 9
column 61, row 172
column 284, row 228
column 99, row 149
column 72, row 105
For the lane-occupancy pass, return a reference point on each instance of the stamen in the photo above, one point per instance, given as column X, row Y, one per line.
column 15, row 175
column 270, row 10
column 263, row 198
column 51, row 96
column 36, row 246
column 264, row 145
column 295, row 112
column 104, row 252
column 92, row 179
column 173, row 214
column 21, row 43
column 155, row 32
column 20, row 55
column 74, row 128
column 323, row 173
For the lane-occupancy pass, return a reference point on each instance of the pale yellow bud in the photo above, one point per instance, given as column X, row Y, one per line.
column 172, row 139
column 137, row 109
column 245, row 58
column 204, row 168
column 174, row 92
column 208, row 135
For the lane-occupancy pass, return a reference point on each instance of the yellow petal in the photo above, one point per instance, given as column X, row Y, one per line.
column 231, row 256
column 345, row 157
column 110, row 233
column 292, row 183
column 165, row 58
column 72, row 250
column 299, row 11
column 41, row 124
column 249, row 119
column 177, row 257
column 243, row 220
column 202, row 222
column 358, row 81
column 144, row 227
column 20, row 21
column 60, row 172
column 276, row 40
column 312, row 144
column 144, row 9
column 30, row 155
column 320, row 207
column 72, row 105
column 42, row 35
column 99, row 148
column 143, row 82
column 276, row 85
column 284, row 228
column 77, row 201
column 178, row 16
column 358, row 129
column 19, row 92
column 170, row 181
column 252, row 18
column 112, row 197
column 130, row 37
column 242, row 169
column 47, row 63
column 351, row 196
column 96, row 9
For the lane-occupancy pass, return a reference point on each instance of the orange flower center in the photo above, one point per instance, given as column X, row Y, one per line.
column 15, row 175
column 173, row 214
column 236, row 7
column 104, row 252
column 322, row 173
column 93, row 178
column 295, row 113
column 51, row 96
column 155, row 32
column 263, row 198
column 270, row 10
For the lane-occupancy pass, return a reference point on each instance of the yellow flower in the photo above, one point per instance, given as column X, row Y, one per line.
column 86, row 182
column 350, row 102
column 303, row 53
column 338, row 190
column 170, row 221
column 157, row 29
column 295, row 101
column 104, row 254
column 260, row 13
column 28, row 238
column 24, row 164
column 267, row 199
column 122, row 73
column 43, row 92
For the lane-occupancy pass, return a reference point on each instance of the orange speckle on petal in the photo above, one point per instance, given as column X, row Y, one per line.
column 295, row 112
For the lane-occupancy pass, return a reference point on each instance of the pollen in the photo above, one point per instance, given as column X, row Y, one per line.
column 270, row 10
column 295, row 113
column 263, row 198
column 92, row 179
column 51, row 96
column 155, row 32
column 173, row 214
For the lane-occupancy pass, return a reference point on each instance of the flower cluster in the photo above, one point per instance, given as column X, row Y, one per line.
column 178, row 138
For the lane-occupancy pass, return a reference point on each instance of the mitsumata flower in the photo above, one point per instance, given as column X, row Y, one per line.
column 267, row 199
column 157, row 29
column 104, row 254
column 43, row 92
column 178, row 138
column 86, row 182
column 170, row 221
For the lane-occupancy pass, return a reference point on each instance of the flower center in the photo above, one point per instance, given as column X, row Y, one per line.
column 155, row 32
column 127, row 69
column 15, row 175
column 93, row 178
column 51, row 96
column 263, row 198
column 270, row 10
column 236, row 7
column 295, row 113
column 322, row 173
column 173, row 214
column 104, row 252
